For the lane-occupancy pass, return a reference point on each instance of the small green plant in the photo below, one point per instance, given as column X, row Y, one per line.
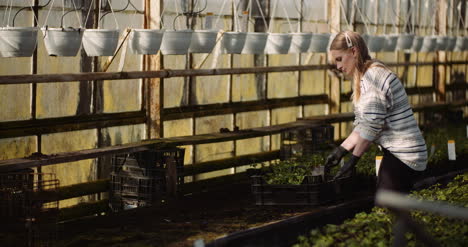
column 293, row 171
column 376, row 228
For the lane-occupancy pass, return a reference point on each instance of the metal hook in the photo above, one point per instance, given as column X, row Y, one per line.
column 115, row 11
column 14, row 17
column 81, row 8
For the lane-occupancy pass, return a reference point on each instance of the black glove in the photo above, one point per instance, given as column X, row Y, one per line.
column 347, row 166
column 335, row 156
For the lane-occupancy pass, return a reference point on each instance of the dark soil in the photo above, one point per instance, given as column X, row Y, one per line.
column 178, row 223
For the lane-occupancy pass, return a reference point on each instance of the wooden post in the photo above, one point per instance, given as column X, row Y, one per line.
column 335, row 82
column 154, row 86
column 441, row 25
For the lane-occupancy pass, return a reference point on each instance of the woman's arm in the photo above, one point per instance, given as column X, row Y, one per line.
column 356, row 143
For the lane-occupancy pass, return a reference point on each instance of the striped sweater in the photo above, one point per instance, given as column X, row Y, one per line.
column 384, row 116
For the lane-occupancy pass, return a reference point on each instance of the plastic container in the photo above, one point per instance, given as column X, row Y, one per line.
column 255, row 43
column 62, row 41
column 176, row 42
column 18, row 41
column 145, row 41
column 278, row 43
column 100, row 42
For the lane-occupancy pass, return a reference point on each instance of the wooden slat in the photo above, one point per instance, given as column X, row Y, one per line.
column 82, row 189
column 236, row 107
column 236, row 161
column 167, row 73
column 21, row 163
column 54, row 125
column 83, row 210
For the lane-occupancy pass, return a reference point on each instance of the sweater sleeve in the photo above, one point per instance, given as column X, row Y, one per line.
column 374, row 103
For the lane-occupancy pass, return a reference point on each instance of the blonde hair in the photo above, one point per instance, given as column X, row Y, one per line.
column 363, row 59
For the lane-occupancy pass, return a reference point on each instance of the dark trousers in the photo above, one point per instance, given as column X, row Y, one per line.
column 395, row 175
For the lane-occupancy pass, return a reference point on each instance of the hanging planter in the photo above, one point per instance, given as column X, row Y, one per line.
column 390, row 42
column 417, row 43
column 442, row 43
column 176, row 42
column 405, row 41
column 459, row 43
column 62, row 41
column 18, row 41
column 255, row 43
column 465, row 43
column 375, row 43
column 100, row 42
column 278, row 43
column 203, row 41
column 429, row 44
column 451, row 43
column 300, row 42
column 145, row 41
column 233, row 42
column 319, row 42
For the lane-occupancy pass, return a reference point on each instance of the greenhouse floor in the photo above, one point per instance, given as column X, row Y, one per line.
column 206, row 216
column 211, row 215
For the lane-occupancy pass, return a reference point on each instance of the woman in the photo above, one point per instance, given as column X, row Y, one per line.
column 383, row 115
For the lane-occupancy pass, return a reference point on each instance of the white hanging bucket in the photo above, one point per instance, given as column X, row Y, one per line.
column 375, row 43
column 145, row 41
column 429, row 44
column 459, row 44
column 176, row 42
column 319, row 42
column 417, row 43
column 203, row 41
column 18, row 41
column 405, row 41
column 442, row 43
column 278, row 43
column 451, row 43
column 390, row 42
column 233, row 42
column 64, row 42
column 300, row 42
column 255, row 43
column 100, row 42
column 465, row 43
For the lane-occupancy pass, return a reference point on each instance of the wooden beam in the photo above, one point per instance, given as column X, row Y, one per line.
column 165, row 73
column 236, row 107
column 54, row 125
column 168, row 73
column 237, row 161
column 441, row 56
column 335, row 82
column 34, row 161
column 155, row 93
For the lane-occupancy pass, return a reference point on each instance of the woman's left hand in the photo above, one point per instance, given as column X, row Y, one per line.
column 347, row 166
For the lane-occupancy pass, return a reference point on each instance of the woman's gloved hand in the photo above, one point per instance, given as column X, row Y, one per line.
column 347, row 166
column 335, row 156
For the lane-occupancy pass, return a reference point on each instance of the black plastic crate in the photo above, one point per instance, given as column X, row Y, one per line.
column 29, row 207
column 312, row 191
column 306, row 141
column 139, row 179
column 151, row 163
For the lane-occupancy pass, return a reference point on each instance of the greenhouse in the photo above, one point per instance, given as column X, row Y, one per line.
column 239, row 123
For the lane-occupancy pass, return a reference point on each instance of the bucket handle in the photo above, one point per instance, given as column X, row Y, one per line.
column 75, row 9
column 16, row 14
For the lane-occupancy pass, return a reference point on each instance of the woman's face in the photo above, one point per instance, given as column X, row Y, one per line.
column 345, row 60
